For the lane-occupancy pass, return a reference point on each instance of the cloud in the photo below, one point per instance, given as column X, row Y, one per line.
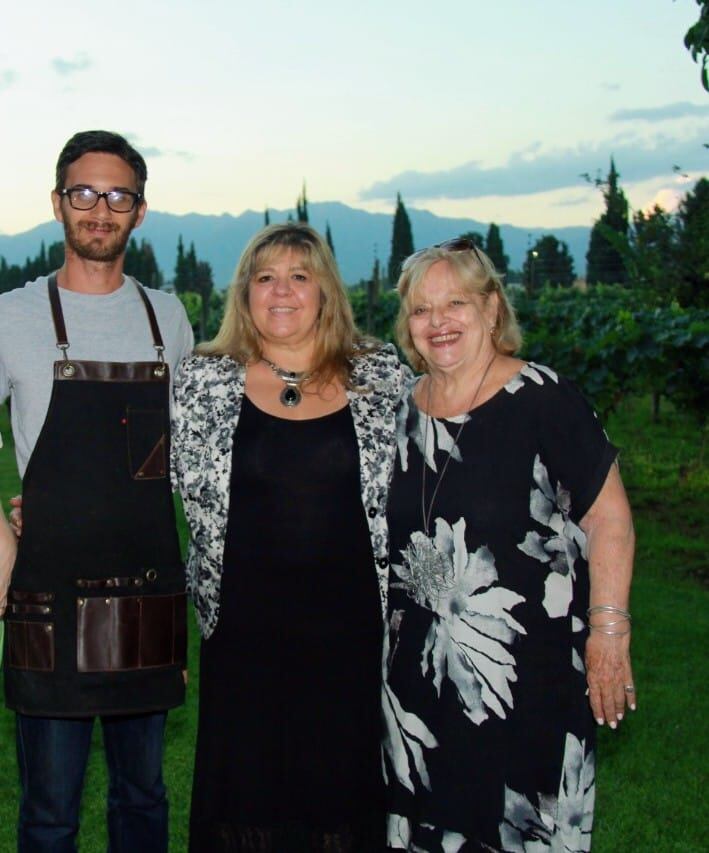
column 64, row 67
column 7, row 78
column 680, row 109
column 154, row 151
column 611, row 87
column 570, row 201
column 522, row 174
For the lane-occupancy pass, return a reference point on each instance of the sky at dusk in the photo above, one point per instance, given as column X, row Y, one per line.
column 477, row 109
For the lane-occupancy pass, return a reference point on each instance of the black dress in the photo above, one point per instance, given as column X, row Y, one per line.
column 289, row 725
column 490, row 736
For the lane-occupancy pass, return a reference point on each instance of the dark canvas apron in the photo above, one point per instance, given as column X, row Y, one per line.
column 96, row 608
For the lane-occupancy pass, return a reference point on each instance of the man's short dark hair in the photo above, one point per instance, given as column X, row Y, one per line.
column 100, row 142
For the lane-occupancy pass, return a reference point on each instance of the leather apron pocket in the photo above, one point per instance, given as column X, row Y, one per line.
column 30, row 641
column 147, row 443
column 120, row 633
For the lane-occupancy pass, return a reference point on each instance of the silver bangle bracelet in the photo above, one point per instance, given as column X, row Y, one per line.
column 609, row 608
column 609, row 633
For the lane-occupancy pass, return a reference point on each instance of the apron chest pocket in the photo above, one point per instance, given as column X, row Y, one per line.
column 147, row 443
column 130, row 632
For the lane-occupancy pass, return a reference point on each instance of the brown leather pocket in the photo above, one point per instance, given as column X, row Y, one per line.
column 147, row 443
column 30, row 645
column 29, row 609
column 130, row 632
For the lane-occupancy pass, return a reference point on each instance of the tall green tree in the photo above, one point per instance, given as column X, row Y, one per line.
column 181, row 281
column 141, row 263
column 328, row 238
column 548, row 262
column 696, row 40
column 266, row 218
column 693, row 246
column 204, row 285
column 652, row 257
column 302, row 206
column 495, row 249
column 604, row 258
column 402, row 241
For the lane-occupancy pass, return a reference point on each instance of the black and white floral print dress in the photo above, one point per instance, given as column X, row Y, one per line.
column 489, row 734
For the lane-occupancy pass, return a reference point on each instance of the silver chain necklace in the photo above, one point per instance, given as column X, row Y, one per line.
column 291, row 395
column 426, row 514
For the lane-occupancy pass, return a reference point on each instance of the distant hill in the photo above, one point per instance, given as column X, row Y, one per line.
column 357, row 235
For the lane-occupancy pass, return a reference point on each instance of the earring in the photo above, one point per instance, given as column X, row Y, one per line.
column 492, row 330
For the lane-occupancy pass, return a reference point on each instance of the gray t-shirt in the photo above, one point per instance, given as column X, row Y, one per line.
column 110, row 327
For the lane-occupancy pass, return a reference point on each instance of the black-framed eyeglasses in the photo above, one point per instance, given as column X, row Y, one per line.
column 84, row 198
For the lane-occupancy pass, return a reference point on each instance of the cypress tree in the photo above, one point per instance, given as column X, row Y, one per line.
column 302, row 206
column 402, row 241
column 266, row 218
column 604, row 261
column 328, row 238
column 495, row 249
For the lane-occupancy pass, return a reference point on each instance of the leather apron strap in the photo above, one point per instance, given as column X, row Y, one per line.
column 60, row 327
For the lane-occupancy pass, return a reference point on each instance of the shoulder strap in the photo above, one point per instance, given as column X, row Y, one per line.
column 152, row 319
column 57, row 313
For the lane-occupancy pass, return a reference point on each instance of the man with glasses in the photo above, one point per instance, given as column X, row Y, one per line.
column 95, row 619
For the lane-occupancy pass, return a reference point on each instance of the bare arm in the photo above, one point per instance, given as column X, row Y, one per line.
column 608, row 526
column 7, row 559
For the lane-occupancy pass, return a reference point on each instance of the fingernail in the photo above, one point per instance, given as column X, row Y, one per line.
column 620, row 716
column 613, row 724
column 632, row 707
column 600, row 720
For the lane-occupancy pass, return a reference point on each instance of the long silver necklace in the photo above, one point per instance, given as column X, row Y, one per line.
column 426, row 513
column 428, row 570
column 291, row 395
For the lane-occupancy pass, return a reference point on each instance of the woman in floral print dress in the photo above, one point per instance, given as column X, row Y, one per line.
column 511, row 547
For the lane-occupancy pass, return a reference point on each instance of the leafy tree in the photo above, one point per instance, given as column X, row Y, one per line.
column 548, row 262
column 495, row 249
column 693, row 246
column 46, row 261
column 402, row 241
column 302, row 206
column 604, row 259
column 141, row 262
column 328, row 238
column 266, row 218
column 696, row 40
column 204, row 285
column 652, row 254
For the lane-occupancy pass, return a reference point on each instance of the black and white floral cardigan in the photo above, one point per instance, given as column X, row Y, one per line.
column 208, row 393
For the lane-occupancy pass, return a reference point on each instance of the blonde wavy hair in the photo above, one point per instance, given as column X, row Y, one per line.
column 476, row 275
column 337, row 339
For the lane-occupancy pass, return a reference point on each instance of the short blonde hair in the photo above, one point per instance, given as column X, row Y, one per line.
column 477, row 276
column 336, row 336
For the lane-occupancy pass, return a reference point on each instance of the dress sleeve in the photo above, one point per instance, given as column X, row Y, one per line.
column 575, row 446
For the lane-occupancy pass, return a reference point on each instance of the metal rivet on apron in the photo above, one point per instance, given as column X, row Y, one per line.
column 109, row 582
column 47, row 628
column 108, row 601
column 68, row 369
column 151, row 575
column 81, row 602
column 140, row 474
column 159, row 371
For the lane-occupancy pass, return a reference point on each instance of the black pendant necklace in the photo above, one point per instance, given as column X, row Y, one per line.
column 291, row 395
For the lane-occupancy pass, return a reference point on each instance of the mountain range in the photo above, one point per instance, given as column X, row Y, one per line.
column 358, row 237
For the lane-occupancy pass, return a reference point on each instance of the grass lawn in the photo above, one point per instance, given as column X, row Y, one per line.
column 652, row 775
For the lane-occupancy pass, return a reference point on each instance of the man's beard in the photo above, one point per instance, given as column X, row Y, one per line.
column 93, row 250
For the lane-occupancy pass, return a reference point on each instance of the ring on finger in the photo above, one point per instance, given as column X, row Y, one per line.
column 629, row 688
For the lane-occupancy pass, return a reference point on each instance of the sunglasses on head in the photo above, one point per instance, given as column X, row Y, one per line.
column 460, row 244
